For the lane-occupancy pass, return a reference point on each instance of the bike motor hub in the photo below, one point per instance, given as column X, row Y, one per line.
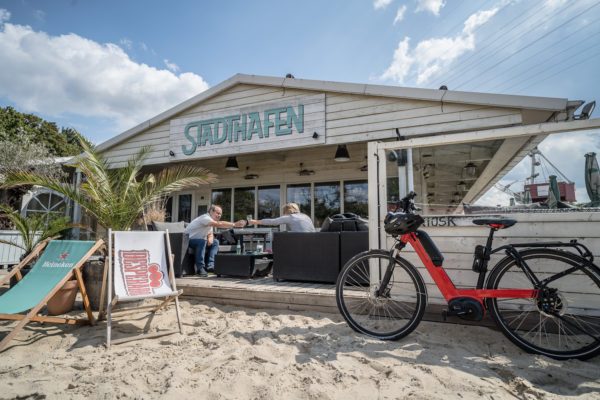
column 468, row 308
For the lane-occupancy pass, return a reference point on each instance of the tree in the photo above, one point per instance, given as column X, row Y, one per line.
column 116, row 197
column 16, row 126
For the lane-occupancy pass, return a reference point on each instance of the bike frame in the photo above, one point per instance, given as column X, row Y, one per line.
column 447, row 287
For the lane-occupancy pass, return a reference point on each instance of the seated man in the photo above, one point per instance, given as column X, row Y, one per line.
column 201, row 235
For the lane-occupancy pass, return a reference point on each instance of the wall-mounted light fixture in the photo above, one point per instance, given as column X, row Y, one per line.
column 470, row 169
column 315, row 135
column 231, row 164
column 171, row 153
column 341, row 154
column 461, row 186
column 456, row 196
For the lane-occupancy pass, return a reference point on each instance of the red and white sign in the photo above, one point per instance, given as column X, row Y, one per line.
column 141, row 265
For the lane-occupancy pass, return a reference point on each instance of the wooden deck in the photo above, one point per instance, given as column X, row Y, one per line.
column 261, row 293
column 266, row 293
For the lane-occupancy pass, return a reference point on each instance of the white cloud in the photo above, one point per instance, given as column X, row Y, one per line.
column 127, row 43
column 378, row 4
column 432, row 56
column 40, row 15
column 69, row 74
column 4, row 16
column 432, row 6
column 553, row 4
column 400, row 14
column 171, row 66
column 401, row 64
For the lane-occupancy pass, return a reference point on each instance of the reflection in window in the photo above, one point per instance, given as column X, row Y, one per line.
column 222, row 198
column 327, row 201
column 185, row 208
column 169, row 210
column 356, row 198
column 300, row 194
column 268, row 202
column 243, row 203
column 393, row 193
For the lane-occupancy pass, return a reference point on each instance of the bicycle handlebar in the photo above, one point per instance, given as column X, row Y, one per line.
column 407, row 205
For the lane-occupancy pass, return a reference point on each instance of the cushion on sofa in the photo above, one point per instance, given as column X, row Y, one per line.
column 173, row 227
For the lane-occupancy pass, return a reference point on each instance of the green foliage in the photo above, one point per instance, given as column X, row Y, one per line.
column 16, row 126
column 117, row 197
column 34, row 229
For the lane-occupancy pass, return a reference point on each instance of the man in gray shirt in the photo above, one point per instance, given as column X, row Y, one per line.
column 292, row 218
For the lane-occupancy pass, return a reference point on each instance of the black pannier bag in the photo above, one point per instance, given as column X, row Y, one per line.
column 346, row 222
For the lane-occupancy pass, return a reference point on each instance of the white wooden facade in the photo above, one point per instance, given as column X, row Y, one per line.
column 354, row 114
column 448, row 128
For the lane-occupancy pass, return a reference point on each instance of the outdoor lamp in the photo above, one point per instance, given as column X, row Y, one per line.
column 470, row 169
column 231, row 164
column 462, row 186
column 341, row 154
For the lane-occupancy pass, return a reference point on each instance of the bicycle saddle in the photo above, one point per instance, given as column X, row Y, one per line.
column 497, row 223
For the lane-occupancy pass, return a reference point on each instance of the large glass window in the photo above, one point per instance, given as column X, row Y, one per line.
column 327, row 201
column 185, row 208
column 169, row 210
column 356, row 198
column 393, row 193
column 222, row 198
column 300, row 194
column 243, row 203
column 268, row 202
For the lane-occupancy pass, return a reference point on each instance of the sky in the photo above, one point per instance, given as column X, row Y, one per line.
column 103, row 67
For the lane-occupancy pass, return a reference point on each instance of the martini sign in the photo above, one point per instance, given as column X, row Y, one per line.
column 265, row 126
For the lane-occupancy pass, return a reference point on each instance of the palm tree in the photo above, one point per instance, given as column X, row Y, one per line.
column 117, row 197
column 34, row 229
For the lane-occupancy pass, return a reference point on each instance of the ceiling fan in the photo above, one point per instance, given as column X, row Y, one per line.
column 305, row 172
column 249, row 175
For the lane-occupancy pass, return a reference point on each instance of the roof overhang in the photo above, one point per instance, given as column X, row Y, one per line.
column 446, row 96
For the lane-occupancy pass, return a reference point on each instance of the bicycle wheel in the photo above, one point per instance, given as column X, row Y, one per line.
column 564, row 320
column 390, row 316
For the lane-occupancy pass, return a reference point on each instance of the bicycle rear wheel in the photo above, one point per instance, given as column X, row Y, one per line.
column 564, row 320
column 391, row 315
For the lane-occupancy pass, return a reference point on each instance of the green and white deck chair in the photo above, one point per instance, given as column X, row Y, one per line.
column 140, row 269
column 59, row 262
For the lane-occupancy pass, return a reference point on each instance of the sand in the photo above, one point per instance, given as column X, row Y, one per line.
column 233, row 353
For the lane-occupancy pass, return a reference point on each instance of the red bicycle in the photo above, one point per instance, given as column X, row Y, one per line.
column 545, row 297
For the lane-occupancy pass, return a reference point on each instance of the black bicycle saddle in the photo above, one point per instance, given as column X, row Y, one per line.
column 496, row 223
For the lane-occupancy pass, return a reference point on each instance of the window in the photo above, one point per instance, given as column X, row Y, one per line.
column 169, row 210
column 47, row 204
column 327, row 201
column 268, row 202
column 222, row 198
column 243, row 203
column 300, row 194
column 393, row 193
column 356, row 198
column 185, row 208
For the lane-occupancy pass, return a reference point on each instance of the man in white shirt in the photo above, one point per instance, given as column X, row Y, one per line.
column 201, row 235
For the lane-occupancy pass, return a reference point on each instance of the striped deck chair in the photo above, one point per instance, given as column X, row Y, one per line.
column 60, row 261
column 140, row 267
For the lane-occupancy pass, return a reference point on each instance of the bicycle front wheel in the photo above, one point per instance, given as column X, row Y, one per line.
column 390, row 313
column 564, row 320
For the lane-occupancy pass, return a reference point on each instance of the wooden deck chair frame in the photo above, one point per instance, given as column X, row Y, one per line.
column 113, row 299
column 32, row 315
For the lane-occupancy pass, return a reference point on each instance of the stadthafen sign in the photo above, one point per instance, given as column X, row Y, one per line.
column 283, row 124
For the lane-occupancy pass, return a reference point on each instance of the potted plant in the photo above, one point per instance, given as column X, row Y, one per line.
column 115, row 197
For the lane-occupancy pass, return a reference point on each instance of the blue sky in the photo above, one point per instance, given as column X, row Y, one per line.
column 105, row 66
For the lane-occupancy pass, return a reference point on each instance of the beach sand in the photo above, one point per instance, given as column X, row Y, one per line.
column 232, row 353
